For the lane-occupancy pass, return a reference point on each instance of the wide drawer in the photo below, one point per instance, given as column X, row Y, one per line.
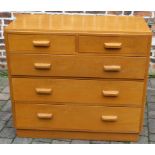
column 44, row 43
column 114, row 45
column 77, row 66
column 93, row 92
column 77, row 118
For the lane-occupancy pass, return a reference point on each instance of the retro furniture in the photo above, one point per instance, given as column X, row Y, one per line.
column 78, row 77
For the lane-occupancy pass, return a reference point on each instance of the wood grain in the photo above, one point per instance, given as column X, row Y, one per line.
column 74, row 59
column 78, row 66
column 78, row 135
column 79, row 24
column 59, row 44
column 131, row 45
column 72, row 91
column 77, row 118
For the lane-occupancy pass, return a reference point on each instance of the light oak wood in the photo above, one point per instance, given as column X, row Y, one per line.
column 41, row 43
column 85, row 92
column 59, row 44
column 112, row 68
column 113, row 45
column 109, row 118
column 110, row 93
column 79, row 24
column 79, row 66
column 70, row 59
column 44, row 115
column 78, row 135
column 45, row 91
column 42, row 66
column 131, row 45
column 77, row 118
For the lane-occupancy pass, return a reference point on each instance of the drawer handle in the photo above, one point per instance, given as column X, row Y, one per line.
column 44, row 116
column 44, row 91
column 109, row 118
column 37, row 43
column 42, row 66
column 112, row 68
column 113, row 45
column 113, row 93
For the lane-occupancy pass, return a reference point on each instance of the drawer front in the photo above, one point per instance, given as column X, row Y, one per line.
column 114, row 45
column 53, row 44
column 78, row 66
column 77, row 118
column 90, row 92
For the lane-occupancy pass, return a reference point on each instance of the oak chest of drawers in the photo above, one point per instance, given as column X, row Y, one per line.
column 80, row 77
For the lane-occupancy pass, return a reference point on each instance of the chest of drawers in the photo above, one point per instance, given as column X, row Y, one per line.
column 78, row 77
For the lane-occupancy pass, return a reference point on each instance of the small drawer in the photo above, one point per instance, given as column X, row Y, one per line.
column 77, row 118
column 114, row 45
column 77, row 66
column 43, row 43
column 72, row 91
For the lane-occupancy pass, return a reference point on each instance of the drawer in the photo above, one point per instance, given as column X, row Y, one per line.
column 77, row 66
column 77, row 118
column 93, row 92
column 53, row 44
column 114, row 45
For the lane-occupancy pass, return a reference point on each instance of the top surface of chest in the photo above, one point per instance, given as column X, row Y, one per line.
column 79, row 24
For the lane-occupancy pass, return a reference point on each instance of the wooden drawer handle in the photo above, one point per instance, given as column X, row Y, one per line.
column 44, row 116
column 110, row 93
column 113, row 45
column 112, row 68
column 45, row 91
column 39, row 43
column 109, row 118
column 42, row 66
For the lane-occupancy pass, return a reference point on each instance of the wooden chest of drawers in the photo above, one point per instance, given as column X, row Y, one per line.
column 80, row 77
